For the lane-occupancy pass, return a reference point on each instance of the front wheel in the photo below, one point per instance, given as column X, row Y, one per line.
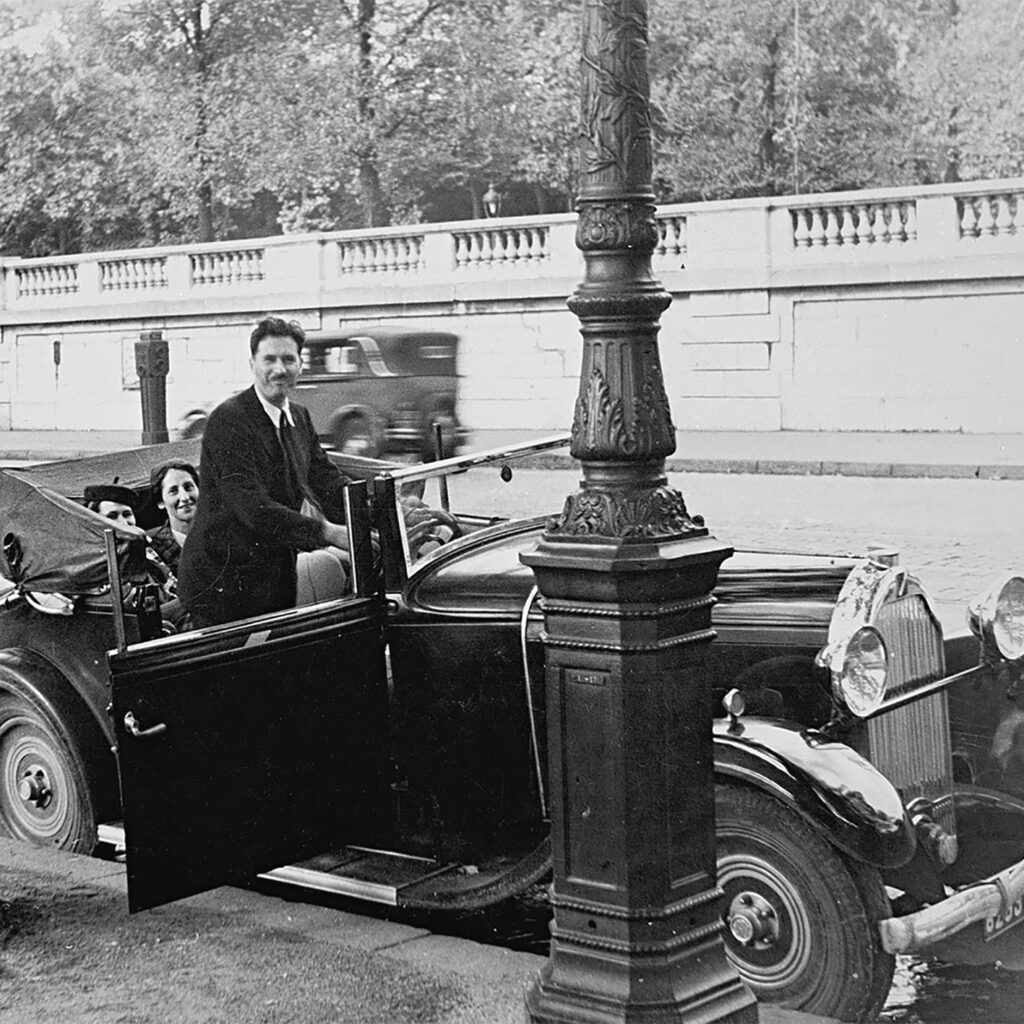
column 800, row 920
column 44, row 793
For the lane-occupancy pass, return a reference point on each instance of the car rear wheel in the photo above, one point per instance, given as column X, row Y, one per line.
column 44, row 793
column 356, row 435
column 800, row 920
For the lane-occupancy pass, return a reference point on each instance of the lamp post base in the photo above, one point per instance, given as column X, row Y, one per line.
column 637, row 931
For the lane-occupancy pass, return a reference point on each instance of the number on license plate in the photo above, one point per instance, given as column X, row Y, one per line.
column 1000, row 923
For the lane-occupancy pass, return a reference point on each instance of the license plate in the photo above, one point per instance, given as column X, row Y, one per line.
column 1000, row 923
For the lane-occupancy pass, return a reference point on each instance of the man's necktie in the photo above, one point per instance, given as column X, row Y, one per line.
column 287, row 438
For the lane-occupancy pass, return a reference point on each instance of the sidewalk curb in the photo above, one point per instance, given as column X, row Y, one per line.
column 480, row 967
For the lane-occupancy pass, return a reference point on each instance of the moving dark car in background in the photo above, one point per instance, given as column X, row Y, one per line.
column 376, row 389
column 391, row 745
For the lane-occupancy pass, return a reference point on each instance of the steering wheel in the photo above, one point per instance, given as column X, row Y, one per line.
column 428, row 528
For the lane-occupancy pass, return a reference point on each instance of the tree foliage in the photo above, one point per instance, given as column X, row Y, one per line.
column 126, row 122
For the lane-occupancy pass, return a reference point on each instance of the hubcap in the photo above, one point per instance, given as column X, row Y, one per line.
column 769, row 936
column 752, row 920
column 34, row 787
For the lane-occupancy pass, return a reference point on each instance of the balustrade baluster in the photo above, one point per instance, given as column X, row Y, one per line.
column 487, row 247
column 863, row 224
column 910, row 220
column 801, row 229
column 968, row 219
column 896, row 230
column 832, row 238
column 474, row 248
column 847, row 225
column 986, row 218
column 879, row 227
column 359, row 257
column 817, row 228
column 402, row 254
column 1004, row 218
column 523, row 244
column 539, row 247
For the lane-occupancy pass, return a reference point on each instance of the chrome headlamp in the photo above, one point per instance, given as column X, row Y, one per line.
column 859, row 664
column 997, row 616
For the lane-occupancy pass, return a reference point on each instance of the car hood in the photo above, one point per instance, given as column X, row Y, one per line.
column 483, row 573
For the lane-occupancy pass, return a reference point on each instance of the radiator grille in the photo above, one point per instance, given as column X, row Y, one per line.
column 914, row 642
column 910, row 744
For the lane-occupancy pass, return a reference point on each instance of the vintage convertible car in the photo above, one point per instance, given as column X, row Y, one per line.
column 389, row 744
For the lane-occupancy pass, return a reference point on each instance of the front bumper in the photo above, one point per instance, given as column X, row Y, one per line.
column 990, row 898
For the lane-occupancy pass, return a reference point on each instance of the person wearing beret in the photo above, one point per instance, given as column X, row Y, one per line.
column 267, row 492
column 112, row 501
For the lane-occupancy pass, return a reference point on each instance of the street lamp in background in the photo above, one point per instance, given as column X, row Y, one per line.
column 492, row 201
column 626, row 576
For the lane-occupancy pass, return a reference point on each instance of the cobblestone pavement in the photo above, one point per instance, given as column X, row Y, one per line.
column 955, row 534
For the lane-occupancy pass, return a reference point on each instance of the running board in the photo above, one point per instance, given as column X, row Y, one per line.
column 360, row 873
column 356, row 872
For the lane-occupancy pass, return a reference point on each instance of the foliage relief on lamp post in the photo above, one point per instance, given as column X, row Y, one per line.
column 622, row 418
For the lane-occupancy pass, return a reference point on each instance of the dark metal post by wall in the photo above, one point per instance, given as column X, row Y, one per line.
column 152, row 361
column 626, row 576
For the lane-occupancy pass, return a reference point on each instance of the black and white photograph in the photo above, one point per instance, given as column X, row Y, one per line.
column 509, row 511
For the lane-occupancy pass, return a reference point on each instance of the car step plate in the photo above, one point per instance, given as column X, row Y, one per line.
column 375, row 875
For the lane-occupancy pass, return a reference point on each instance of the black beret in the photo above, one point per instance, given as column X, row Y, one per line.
column 111, row 492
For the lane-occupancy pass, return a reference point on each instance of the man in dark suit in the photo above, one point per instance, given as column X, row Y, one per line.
column 267, row 491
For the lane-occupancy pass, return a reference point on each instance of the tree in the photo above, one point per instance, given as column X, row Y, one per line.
column 769, row 96
column 188, row 58
column 65, row 152
column 963, row 81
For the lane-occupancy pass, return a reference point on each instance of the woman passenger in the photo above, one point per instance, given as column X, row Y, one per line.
column 174, row 488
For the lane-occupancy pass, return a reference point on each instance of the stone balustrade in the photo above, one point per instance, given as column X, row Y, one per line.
column 922, row 224
column 890, row 309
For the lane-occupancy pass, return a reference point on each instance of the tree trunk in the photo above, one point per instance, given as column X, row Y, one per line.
column 204, row 211
column 371, row 195
column 767, row 151
column 951, row 169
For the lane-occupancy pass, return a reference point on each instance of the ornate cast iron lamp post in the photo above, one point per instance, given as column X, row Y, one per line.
column 626, row 576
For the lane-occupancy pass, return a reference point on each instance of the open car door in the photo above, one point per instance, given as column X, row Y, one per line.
column 247, row 746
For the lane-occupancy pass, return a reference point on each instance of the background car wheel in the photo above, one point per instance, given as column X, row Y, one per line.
column 356, row 435
column 44, row 794
column 194, row 426
column 800, row 921
column 445, row 418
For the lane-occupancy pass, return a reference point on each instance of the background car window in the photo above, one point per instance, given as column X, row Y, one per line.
column 342, row 359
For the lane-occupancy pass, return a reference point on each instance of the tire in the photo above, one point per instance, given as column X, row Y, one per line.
column 446, row 420
column 800, row 920
column 356, row 435
column 44, row 790
column 194, row 427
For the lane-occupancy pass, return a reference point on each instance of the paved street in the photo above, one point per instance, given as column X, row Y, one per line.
column 956, row 534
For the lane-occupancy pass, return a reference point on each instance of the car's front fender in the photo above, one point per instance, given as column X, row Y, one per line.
column 827, row 783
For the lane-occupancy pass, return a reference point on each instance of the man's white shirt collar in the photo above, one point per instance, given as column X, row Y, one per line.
column 274, row 411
